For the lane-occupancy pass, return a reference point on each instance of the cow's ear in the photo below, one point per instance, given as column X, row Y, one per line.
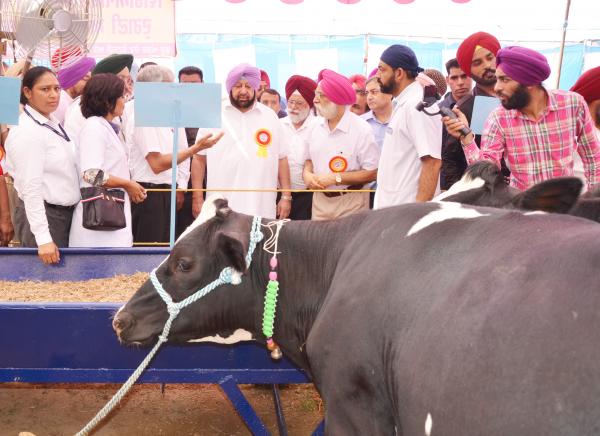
column 222, row 209
column 231, row 250
column 554, row 195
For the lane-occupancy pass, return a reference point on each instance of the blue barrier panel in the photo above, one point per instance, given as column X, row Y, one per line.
column 78, row 263
column 75, row 343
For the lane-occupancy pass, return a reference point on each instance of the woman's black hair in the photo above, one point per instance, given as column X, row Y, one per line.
column 30, row 79
column 100, row 95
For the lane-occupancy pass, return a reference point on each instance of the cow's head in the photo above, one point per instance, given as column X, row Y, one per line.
column 483, row 185
column 219, row 238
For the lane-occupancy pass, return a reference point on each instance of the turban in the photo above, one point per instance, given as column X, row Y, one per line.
column 243, row 71
column 526, row 66
column 401, row 56
column 588, row 85
column 304, row 85
column 113, row 64
column 264, row 77
column 358, row 80
column 336, row 87
column 62, row 55
column 70, row 75
column 467, row 48
column 372, row 73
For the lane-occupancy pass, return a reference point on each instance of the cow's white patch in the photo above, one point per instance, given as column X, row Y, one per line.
column 464, row 184
column 535, row 212
column 428, row 425
column 447, row 211
column 208, row 211
column 240, row 335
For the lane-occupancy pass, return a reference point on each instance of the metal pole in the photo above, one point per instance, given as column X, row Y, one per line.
column 177, row 119
column 562, row 44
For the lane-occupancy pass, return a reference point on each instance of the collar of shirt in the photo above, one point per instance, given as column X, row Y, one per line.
column 343, row 125
column 480, row 91
column 52, row 121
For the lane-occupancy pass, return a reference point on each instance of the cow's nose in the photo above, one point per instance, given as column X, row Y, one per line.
column 121, row 322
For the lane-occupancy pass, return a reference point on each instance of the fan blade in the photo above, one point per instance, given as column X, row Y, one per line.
column 31, row 31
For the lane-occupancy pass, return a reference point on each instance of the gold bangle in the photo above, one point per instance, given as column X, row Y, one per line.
column 286, row 197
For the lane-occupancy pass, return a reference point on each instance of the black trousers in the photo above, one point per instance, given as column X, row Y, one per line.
column 150, row 219
column 184, row 215
column 59, row 224
column 301, row 205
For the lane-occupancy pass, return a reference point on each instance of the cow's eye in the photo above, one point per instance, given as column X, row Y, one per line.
column 184, row 265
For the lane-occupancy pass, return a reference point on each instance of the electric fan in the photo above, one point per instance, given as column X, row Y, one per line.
column 56, row 31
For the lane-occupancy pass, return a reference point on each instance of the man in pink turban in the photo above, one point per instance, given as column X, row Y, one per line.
column 358, row 82
column 341, row 153
column 251, row 155
column 72, row 80
column 537, row 130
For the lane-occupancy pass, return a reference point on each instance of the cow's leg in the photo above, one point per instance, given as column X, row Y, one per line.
column 355, row 396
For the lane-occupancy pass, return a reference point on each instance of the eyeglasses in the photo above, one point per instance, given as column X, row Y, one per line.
column 373, row 92
column 298, row 103
column 361, row 92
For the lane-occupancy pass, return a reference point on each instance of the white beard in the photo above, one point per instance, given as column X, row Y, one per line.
column 327, row 111
column 299, row 117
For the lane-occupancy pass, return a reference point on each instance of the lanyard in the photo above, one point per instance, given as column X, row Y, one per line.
column 62, row 132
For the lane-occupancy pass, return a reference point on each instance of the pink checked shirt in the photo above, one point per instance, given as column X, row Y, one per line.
column 543, row 149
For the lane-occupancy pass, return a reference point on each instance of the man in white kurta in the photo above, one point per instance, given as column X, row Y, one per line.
column 411, row 155
column 251, row 155
column 300, row 93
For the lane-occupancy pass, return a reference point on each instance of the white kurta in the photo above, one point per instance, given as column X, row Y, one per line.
column 298, row 147
column 410, row 136
column 247, row 157
column 100, row 147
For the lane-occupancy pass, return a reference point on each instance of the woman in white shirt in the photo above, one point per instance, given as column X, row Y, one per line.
column 103, row 157
column 41, row 160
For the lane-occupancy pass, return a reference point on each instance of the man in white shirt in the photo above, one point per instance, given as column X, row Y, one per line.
column 150, row 162
column 251, row 155
column 342, row 153
column 410, row 161
column 72, row 80
column 300, row 93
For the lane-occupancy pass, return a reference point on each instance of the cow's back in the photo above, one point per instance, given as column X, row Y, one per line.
column 488, row 325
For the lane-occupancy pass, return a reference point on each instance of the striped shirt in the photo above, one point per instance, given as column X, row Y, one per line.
column 542, row 149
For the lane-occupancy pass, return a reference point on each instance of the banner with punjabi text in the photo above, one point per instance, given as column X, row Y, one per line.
column 144, row 28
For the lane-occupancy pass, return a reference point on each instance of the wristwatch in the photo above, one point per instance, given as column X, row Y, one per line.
column 338, row 179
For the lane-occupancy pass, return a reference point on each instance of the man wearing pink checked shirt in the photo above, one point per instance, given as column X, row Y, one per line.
column 538, row 130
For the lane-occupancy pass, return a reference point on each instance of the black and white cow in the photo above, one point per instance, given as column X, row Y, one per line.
column 483, row 185
column 430, row 318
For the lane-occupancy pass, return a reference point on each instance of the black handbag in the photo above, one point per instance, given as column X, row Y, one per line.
column 103, row 209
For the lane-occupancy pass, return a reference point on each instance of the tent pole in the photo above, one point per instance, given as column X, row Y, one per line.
column 562, row 44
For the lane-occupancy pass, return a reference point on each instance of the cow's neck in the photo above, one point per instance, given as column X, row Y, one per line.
column 309, row 256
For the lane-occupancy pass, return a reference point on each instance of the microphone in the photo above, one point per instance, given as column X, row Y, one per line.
column 430, row 96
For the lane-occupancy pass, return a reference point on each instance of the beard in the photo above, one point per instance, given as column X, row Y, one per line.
column 488, row 78
column 327, row 111
column 518, row 100
column 300, row 116
column 242, row 103
column 388, row 87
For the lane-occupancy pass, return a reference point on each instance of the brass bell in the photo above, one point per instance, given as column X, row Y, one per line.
column 276, row 354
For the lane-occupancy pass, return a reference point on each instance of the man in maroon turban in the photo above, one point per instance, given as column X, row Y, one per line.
column 300, row 93
column 341, row 153
column 537, row 130
column 588, row 86
column 476, row 57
